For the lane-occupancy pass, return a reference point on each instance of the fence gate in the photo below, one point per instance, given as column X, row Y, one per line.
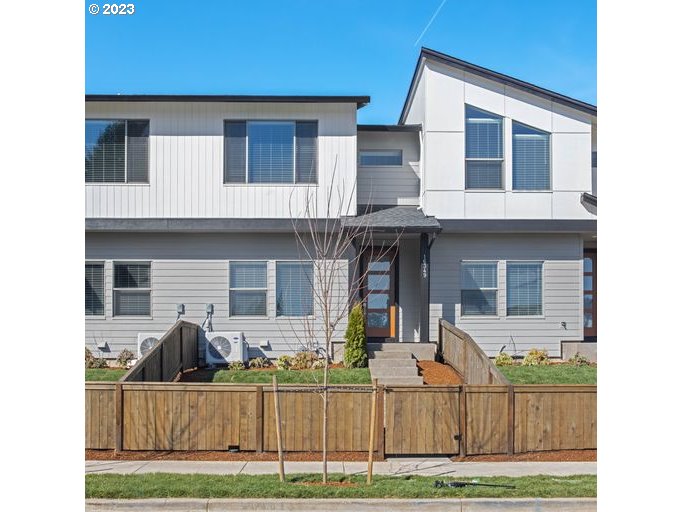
column 422, row 420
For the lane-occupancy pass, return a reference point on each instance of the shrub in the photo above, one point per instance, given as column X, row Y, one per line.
column 355, row 352
column 124, row 358
column 236, row 365
column 303, row 360
column 283, row 362
column 503, row 359
column 259, row 362
column 318, row 365
column 88, row 358
column 579, row 360
column 536, row 357
column 94, row 362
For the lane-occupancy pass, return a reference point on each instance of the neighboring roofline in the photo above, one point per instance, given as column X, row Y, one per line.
column 518, row 225
column 389, row 127
column 427, row 53
column 199, row 225
column 360, row 101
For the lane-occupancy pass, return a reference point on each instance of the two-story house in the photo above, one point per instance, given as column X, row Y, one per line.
column 487, row 183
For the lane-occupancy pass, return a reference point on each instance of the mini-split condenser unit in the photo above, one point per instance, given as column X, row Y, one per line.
column 146, row 340
column 225, row 347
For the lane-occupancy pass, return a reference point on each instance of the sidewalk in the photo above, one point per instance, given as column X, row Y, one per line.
column 394, row 466
column 339, row 505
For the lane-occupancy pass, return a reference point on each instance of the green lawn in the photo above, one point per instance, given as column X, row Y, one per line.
column 104, row 374
column 165, row 485
column 336, row 376
column 550, row 374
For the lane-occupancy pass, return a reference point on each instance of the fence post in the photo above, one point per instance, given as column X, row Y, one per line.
column 462, row 422
column 381, row 439
column 118, row 413
column 510, row 420
column 259, row 419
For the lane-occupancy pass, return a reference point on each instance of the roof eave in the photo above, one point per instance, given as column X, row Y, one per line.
column 360, row 101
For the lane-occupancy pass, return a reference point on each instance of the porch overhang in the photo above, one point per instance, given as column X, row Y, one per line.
column 394, row 219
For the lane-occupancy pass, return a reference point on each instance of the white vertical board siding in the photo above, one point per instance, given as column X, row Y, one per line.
column 562, row 289
column 441, row 110
column 390, row 185
column 192, row 269
column 186, row 162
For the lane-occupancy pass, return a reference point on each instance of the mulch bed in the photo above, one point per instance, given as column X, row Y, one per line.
column 436, row 373
column 550, row 456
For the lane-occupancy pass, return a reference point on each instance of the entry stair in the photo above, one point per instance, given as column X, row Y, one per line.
column 393, row 364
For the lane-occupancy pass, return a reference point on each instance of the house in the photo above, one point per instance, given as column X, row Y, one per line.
column 486, row 187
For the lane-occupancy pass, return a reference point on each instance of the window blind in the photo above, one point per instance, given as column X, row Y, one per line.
column 138, row 151
column 484, row 146
column 294, row 289
column 132, row 293
column 94, row 289
column 306, row 152
column 235, row 152
column 105, row 151
column 530, row 148
column 248, row 288
column 524, row 288
column 131, row 275
column 479, row 288
column 271, row 152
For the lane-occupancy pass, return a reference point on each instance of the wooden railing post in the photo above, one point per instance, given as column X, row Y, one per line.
column 510, row 422
column 118, row 414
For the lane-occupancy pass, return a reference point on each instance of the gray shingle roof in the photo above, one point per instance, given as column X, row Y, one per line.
column 408, row 219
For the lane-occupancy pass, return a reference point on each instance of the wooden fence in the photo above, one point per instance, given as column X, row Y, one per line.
column 424, row 420
column 461, row 352
column 176, row 352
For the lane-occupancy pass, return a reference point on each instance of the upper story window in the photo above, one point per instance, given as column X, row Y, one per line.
column 484, row 149
column 270, row 152
column 531, row 158
column 479, row 288
column 116, row 151
column 381, row 158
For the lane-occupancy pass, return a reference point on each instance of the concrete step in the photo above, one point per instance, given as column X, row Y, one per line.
column 392, row 363
column 378, row 373
column 390, row 347
column 374, row 354
column 401, row 381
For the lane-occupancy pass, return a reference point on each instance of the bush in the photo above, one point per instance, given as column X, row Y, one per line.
column 579, row 360
column 94, row 362
column 503, row 359
column 318, row 365
column 355, row 352
column 304, row 360
column 124, row 358
column 283, row 362
column 259, row 362
column 88, row 358
column 536, row 357
column 236, row 365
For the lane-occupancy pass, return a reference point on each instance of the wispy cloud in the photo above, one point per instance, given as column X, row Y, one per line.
column 430, row 21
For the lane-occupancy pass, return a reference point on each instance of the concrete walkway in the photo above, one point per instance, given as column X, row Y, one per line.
column 338, row 505
column 394, row 466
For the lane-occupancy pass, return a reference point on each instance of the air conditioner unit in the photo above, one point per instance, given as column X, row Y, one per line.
column 225, row 347
column 146, row 340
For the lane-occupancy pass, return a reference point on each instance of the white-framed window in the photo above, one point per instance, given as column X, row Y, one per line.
column 248, row 288
column 117, row 151
column 380, row 158
column 484, row 149
column 479, row 288
column 132, row 289
column 294, row 288
column 531, row 160
column 94, row 288
column 524, row 288
column 270, row 152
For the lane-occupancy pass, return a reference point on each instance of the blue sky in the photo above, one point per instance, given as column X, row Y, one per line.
column 336, row 47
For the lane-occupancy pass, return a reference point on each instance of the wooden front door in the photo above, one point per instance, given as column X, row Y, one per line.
column 590, row 293
column 379, row 292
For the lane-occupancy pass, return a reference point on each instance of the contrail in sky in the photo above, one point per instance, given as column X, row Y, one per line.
column 430, row 21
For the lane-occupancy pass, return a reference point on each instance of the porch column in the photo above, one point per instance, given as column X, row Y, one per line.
column 424, row 286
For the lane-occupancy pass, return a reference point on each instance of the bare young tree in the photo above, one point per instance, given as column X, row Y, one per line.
column 330, row 235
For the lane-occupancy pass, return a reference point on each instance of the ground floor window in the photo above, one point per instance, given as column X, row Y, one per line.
column 479, row 288
column 294, row 288
column 524, row 288
column 248, row 288
column 94, row 289
column 132, row 289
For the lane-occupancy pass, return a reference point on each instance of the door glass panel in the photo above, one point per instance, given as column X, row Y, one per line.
column 587, row 264
column 379, row 266
column 587, row 319
column 587, row 302
column 377, row 301
column 377, row 319
column 587, row 283
column 378, row 282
